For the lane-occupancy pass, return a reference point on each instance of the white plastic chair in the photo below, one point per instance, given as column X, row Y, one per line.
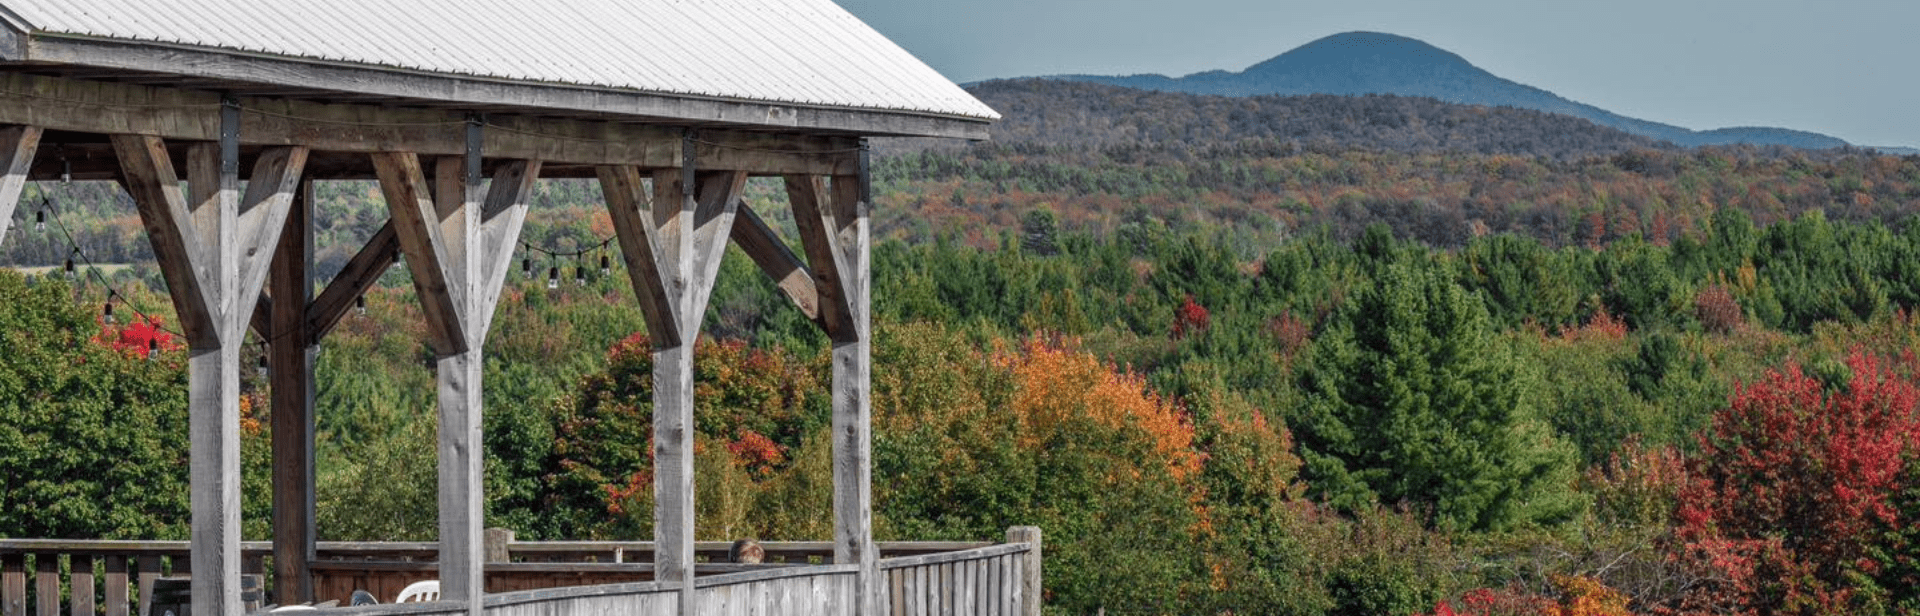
column 428, row 590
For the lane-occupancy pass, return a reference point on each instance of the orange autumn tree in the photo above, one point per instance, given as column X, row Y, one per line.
column 1116, row 480
column 1056, row 387
column 969, row 441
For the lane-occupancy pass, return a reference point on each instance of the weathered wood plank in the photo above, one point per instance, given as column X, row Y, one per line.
column 673, row 386
column 262, row 218
column 985, row 551
column 46, row 585
column 852, row 397
column 117, row 583
column 291, row 362
column 149, row 177
column 360, row 274
column 640, row 248
column 17, row 146
column 673, row 467
column 13, row 584
column 790, row 276
column 719, row 203
column 190, row 115
column 80, row 584
column 416, row 223
column 501, row 218
column 1027, row 569
column 461, row 457
column 813, row 216
column 149, row 571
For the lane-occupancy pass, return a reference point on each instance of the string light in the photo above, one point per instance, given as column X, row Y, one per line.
column 553, row 277
column 360, row 305
column 40, row 221
column 70, row 268
column 526, row 266
column 606, row 265
column 263, row 365
column 579, row 272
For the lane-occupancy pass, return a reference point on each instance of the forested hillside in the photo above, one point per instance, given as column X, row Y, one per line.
column 1233, row 356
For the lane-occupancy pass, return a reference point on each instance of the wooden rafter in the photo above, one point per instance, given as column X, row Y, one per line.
column 360, row 274
column 17, row 146
column 640, row 249
column 501, row 217
column 718, row 204
column 150, row 178
column 263, row 214
column 416, row 223
column 814, row 216
column 790, row 275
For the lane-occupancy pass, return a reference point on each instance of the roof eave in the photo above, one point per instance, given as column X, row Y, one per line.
column 233, row 65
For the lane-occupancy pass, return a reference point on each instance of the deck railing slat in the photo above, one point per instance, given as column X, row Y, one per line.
column 982, row 579
column 46, row 584
column 13, row 584
column 81, row 584
column 116, row 582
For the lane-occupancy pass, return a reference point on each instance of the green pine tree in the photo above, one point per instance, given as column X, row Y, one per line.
column 1410, row 398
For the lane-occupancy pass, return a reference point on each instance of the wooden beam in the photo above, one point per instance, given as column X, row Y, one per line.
column 263, row 214
column 361, row 273
column 291, row 362
column 852, row 393
column 813, row 215
column 416, row 224
column 719, row 203
column 674, row 205
column 789, row 274
column 538, row 98
column 501, row 219
column 640, row 249
column 149, row 177
column 184, row 115
column 17, row 147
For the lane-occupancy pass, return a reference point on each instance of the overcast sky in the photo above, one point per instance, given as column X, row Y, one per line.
column 1846, row 68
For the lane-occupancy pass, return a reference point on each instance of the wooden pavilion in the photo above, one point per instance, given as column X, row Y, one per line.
column 670, row 104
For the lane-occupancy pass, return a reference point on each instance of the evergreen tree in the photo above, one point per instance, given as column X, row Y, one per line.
column 1410, row 398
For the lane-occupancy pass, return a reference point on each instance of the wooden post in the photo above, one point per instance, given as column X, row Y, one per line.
column 499, row 541
column 459, row 250
column 214, row 248
column 852, row 395
column 1030, row 568
column 672, row 258
column 17, row 145
column 290, row 361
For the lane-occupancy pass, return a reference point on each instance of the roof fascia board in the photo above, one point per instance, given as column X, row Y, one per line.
column 386, row 81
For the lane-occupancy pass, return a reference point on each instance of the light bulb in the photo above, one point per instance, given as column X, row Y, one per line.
column 553, row 277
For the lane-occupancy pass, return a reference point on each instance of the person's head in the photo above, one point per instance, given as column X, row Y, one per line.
column 746, row 551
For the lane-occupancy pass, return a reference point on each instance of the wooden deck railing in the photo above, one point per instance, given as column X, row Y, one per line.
column 116, row 578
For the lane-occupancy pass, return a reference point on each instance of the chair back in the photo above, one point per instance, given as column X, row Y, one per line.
column 428, row 590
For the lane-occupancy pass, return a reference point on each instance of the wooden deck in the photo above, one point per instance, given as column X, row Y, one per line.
column 548, row 578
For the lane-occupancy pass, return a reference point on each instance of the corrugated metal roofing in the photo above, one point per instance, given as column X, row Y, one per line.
column 804, row 52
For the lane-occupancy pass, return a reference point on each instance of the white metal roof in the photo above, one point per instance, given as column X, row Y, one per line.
column 803, row 52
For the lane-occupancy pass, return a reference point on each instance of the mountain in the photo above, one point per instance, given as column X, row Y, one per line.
column 1048, row 113
column 1375, row 63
